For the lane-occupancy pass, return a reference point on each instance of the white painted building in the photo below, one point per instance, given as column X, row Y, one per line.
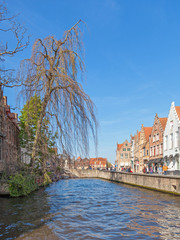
column 171, row 146
column 132, row 152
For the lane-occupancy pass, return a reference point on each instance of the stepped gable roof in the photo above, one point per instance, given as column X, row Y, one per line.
column 147, row 131
column 178, row 111
column 163, row 122
column 136, row 136
column 119, row 146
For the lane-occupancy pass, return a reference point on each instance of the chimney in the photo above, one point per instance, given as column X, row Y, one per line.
column 5, row 100
column 16, row 116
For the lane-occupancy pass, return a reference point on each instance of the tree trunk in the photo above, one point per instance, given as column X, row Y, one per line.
column 38, row 131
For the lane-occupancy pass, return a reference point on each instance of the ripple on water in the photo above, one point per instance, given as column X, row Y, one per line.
column 91, row 209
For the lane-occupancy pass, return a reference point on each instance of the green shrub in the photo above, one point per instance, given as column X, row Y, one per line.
column 58, row 168
column 49, row 173
column 20, row 185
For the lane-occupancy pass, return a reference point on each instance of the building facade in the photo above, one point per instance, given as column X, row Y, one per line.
column 144, row 146
column 156, row 142
column 82, row 163
column 123, row 155
column 9, row 137
column 132, row 153
column 98, row 163
column 136, row 151
column 171, row 146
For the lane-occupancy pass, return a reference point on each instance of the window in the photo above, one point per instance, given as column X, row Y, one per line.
column 160, row 149
column 144, row 152
column 166, row 143
column 124, row 149
column 171, row 140
column 121, row 155
column 126, row 144
column 128, row 149
column 171, row 125
column 157, row 149
column 151, row 152
column 177, row 139
column 157, row 137
column 147, row 152
column 126, row 155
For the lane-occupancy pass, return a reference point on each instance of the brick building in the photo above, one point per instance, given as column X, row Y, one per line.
column 98, row 163
column 132, row 152
column 156, row 141
column 123, row 155
column 136, row 151
column 9, row 137
column 144, row 146
column 82, row 163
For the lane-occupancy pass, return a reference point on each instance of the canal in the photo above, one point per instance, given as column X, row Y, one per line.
column 90, row 209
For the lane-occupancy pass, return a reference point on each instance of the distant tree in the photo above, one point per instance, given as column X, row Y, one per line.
column 10, row 28
column 53, row 73
column 28, row 125
column 109, row 165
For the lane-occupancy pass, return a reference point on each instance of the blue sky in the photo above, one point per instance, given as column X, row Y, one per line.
column 132, row 57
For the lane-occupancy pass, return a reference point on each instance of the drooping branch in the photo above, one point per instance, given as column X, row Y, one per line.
column 53, row 72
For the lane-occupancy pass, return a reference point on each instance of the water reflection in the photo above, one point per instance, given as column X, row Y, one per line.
column 18, row 215
column 91, row 209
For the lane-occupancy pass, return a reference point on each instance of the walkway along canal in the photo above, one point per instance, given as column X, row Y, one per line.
column 90, row 209
column 164, row 183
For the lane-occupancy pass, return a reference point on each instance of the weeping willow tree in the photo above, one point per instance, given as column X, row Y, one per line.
column 53, row 74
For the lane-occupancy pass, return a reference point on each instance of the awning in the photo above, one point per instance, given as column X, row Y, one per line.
column 158, row 160
column 122, row 164
column 126, row 164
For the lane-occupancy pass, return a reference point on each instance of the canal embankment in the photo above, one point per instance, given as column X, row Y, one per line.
column 163, row 183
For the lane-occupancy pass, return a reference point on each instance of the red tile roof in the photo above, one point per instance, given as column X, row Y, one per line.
column 178, row 111
column 119, row 146
column 147, row 131
column 98, row 160
column 163, row 122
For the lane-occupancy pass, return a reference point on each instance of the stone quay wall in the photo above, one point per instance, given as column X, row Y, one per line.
column 164, row 183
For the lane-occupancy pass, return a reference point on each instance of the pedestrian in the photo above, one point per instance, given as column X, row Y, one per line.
column 165, row 168
column 151, row 169
column 144, row 169
column 160, row 169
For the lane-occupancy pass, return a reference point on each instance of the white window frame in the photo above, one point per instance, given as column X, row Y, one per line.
column 171, row 141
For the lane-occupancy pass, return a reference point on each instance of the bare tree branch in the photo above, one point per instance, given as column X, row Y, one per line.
column 10, row 25
column 53, row 73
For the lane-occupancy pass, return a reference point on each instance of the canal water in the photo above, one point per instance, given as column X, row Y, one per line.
column 90, row 209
